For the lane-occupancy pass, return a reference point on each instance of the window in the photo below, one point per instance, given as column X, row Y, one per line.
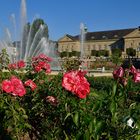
column 72, row 48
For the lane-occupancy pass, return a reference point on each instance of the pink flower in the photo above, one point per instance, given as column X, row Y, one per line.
column 75, row 82
column 136, row 77
column 21, row 64
column 15, row 81
column 12, row 66
column 82, row 90
column 43, row 56
column 52, row 100
column 132, row 70
column 14, row 86
column 118, row 73
column 31, row 84
column 7, row 86
column 37, row 68
column 19, row 91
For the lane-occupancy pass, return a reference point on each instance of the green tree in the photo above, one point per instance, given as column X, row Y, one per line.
column 116, row 56
column 131, row 52
column 4, row 59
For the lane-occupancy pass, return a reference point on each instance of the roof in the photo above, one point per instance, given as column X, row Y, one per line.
column 103, row 35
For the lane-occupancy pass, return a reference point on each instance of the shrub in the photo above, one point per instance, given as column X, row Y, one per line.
column 61, row 107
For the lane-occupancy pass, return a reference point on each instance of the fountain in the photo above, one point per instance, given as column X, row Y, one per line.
column 83, row 31
column 33, row 40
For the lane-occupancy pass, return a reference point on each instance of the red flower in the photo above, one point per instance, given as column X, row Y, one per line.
column 75, row 82
column 136, row 77
column 31, row 84
column 7, row 86
column 118, row 73
column 19, row 91
column 21, row 64
column 15, row 81
column 37, row 68
column 14, row 86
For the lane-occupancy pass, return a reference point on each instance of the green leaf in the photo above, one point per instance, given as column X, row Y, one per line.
column 66, row 136
column 113, row 107
column 90, row 127
column 76, row 118
column 68, row 114
column 98, row 127
column 114, row 89
column 94, row 94
column 86, row 135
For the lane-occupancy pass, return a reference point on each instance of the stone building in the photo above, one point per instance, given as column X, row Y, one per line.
column 106, row 41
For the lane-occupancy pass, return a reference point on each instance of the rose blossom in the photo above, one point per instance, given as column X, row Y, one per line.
column 21, row 64
column 118, row 73
column 132, row 70
column 75, row 82
column 7, row 86
column 136, row 77
column 12, row 66
column 14, row 86
column 52, row 100
column 19, row 90
column 31, row 84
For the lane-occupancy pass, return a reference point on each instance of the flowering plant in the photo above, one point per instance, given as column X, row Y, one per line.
column 75, row 82
column 37, row 105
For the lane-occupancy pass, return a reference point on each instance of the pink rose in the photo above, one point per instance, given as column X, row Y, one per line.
column 7, row 86
column 136, row 77
column 118, row 73
column 15, row 81
column 19, row 91
column 21, row 64
column 75, row 82
column 31, row 84
column 52, row 100
column 43, row 56
column 82, row 90
column 14, row 86
column 132, row 70
column 37, row 68
column 12, row 66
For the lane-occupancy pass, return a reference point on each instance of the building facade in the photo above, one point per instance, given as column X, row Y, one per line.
column 104, row 41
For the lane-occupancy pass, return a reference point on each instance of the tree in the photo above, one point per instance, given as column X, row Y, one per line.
column 4, row 59
column 116, row 56
column 130, row 52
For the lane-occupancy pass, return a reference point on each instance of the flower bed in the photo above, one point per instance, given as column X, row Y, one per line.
column 70, row 105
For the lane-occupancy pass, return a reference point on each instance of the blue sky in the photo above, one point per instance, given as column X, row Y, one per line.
column 64, row 16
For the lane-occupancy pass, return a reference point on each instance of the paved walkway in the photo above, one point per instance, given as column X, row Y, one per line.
column 95, row 74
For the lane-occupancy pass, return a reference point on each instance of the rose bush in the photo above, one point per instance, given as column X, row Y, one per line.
column 75, row 82
column 70, row 105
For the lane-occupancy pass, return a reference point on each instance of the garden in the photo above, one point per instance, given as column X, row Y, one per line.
column 35, row 105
